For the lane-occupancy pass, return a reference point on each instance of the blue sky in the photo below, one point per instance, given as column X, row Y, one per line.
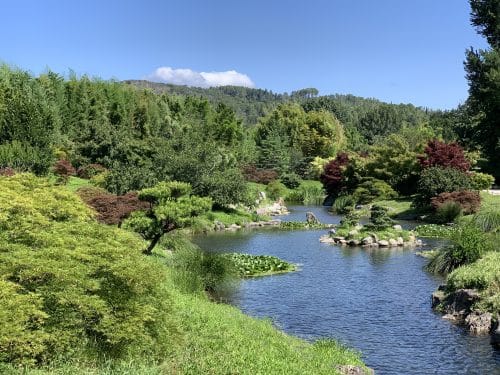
column 393, row 50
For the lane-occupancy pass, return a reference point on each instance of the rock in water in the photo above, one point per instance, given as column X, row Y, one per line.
column 478, row 323
column 495, row 337
column 311, row 218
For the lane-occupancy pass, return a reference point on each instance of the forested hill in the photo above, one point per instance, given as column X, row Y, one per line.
column 250, row 104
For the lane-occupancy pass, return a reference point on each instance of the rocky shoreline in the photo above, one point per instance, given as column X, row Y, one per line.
column 458, row 307
column 371, row 240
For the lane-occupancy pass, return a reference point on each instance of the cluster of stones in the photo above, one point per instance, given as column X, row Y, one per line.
column 458, row 307
column 370, row 241
column 219, row 226
column 277, row 208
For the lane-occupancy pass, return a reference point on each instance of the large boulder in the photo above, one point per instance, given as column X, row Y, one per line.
column 311, row 218
column 367, row 241
column 383, row 243
column 393, row 242
column 459, row 303
column 478, row 323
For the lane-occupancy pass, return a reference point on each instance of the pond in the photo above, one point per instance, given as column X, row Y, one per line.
column 375, row 301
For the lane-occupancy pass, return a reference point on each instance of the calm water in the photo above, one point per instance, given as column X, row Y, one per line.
column 376, row 301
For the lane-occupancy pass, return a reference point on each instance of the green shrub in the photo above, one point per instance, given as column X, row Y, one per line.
column 448, row 212
column 488, row 220
column 435, row 180
column 25, row 158
column 291, row 180
column 76, row 288
column 350, row 219
column 468, row 244
column 309, row 192
column 481, row 181
column 379, row 219
column 372, row 190
column 276, row 190
column 343, row 204
column 194, row 270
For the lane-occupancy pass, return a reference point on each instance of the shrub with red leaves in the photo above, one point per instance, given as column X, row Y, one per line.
column 445, row 155
column 259, row 175
column 90, row 170
column 332, row 177
column 469, row 201
column 111, row 209
column 7, row 172
column 64, row 169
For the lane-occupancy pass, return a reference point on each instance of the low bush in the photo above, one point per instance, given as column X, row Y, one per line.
column 447, row 212
column 71, row 288
column 276, row 190
column 468, row 201
column 291, row 180
column 468, row 244
column 112, row 209
column 435, row 180
column 372, row 189
column 258, row 175
column 90, row 170
column 23, row 157
column 308, row 192
column 487, row 220
column 343, row 204
column 481, row 181
column 63, row 170
column 379, row 219
column 195, row 271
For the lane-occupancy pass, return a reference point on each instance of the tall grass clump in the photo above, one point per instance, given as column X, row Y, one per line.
column 468, row 244
column 195, row 271
column 488, row 220
column 448, row 212
column 308, row 192
column 343, row 204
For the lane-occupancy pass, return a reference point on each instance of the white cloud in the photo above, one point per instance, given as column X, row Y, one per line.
column 189, row 77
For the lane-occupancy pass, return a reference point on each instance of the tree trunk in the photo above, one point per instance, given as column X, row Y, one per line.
column 149, row 249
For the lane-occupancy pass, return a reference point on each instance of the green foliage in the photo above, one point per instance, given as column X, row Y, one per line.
column 394, row 161
column 482, row 67
column 448, row 212
column 343, row 204
column 434, row 230
column 350, row 219
column 70, row 287
column 371, row 190
column 308, row 192
column 481, row 181
column 258, row 265
column 468, row 244
column 291, row 180
column 488, row 220
column 195, row 271
column 379, row 219
column 434, row 181
column 171, row 208
column 24, row 157
column 276, row 190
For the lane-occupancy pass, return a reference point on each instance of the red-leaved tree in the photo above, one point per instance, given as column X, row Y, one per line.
column 63, row 169
column 445, row 155
column 332, row 177
column 112, row 209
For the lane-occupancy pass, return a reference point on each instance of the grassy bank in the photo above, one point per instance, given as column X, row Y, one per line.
column 78, row 297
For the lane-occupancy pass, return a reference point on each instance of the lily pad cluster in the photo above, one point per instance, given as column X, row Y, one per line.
column 258, row 265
